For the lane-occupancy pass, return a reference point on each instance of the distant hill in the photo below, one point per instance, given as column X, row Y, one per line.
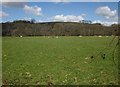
column 26, row 28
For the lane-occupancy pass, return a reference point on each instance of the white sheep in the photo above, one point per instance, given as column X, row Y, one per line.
column 99, row 36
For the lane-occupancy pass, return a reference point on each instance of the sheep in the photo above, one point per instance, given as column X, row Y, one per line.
column 56, row 36
column 99, row 36
column 80, row 36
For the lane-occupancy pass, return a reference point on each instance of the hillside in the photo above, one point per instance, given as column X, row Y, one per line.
column 26, row 28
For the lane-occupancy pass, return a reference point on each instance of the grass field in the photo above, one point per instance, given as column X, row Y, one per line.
column 58, row 61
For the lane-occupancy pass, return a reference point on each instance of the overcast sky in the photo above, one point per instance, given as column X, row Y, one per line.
column 97, row 12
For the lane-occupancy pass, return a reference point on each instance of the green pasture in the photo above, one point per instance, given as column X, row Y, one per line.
column 65, row 60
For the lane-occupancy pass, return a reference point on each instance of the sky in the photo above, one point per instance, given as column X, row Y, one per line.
column 105, row 13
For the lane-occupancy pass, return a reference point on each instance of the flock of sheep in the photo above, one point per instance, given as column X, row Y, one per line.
column 58, row 36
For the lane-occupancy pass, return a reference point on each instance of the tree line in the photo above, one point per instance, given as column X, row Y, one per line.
column 29, row 28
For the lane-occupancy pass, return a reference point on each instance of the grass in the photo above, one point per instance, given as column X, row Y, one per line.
column 58, row 61
column 0, row 60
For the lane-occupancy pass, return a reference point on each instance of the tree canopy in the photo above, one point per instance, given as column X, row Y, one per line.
column 30, row 28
